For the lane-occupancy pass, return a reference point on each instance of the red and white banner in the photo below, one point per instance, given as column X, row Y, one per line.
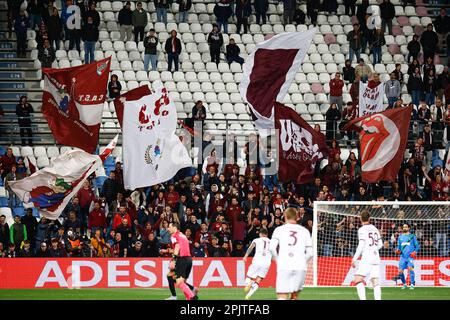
column 300, row 146
column 269, row 71
column 370, row 98
column 206, row 272
column 72, row 103
column 383, row 138
column 50, row 189
column 152, row 152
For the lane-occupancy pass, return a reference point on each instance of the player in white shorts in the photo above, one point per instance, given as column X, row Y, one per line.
column 260, row 263
column 370, row 243
column 294, row 245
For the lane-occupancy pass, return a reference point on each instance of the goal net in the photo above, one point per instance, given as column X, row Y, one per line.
column 335, row 239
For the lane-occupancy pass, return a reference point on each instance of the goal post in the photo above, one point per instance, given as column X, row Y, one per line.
column 335, row 239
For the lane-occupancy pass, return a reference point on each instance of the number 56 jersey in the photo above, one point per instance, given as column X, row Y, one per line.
column 292, row 241
column 372, row 244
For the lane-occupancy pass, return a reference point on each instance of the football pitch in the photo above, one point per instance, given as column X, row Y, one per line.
column 221, row 294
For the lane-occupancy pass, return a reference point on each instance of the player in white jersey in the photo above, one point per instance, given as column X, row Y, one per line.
column 260, row 263
column 294, row 245
column 370, row 243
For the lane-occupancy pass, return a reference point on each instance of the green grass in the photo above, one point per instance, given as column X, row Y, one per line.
column 220, row 294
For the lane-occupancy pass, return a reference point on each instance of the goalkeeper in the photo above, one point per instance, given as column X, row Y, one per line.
column 408, row 246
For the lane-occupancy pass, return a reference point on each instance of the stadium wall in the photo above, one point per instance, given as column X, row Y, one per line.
column 38, row 273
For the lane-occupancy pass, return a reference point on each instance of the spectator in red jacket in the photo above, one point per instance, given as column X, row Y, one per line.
column 122, row 214
column 172, row 196
column 97, row 219
column 336, row 86
column 234, row 210
column 86, row 197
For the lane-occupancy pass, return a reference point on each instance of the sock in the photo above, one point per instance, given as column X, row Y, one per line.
column 187, row 292
column 190, row 286
column 402, row 277
column 172, row 286
column 254, row 287
column 412, row 277
column 377, row 292
column 361, row 289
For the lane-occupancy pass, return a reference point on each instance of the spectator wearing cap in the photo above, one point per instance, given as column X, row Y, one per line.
column 173, row 50
column 183, row 8
column 232, row 53
column 126, row 22
column 161, row 10
column 215, row 42
column 151, row 50
column 392, row 90
column 354, row 38
column 413, row 48
column 363, row 70
column 139, row 20
column 336, row 86
column 429, row 41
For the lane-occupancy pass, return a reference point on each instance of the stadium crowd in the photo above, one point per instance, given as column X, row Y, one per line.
column 220, row 210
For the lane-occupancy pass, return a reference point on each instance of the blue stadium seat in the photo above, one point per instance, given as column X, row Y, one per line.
column 3, row 202
column 18, row 211
column 2, row 150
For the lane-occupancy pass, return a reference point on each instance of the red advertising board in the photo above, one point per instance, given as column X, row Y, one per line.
column 208, row 272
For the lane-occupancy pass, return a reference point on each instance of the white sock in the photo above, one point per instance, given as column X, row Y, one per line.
column 361, row 289
column 254, row 287
column 377, row 292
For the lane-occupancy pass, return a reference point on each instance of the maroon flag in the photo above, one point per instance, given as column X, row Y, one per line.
column 383, row 137
column 72, row 103
column 300, row 146
column 131, row 95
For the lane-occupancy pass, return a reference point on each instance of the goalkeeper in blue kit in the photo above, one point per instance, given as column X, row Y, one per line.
column 407, row 248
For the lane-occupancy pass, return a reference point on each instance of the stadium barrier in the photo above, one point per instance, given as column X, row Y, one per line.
column 35, row 273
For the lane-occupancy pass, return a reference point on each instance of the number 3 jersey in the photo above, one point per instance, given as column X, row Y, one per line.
column 293, row 241
column 371, row 237
column 262, row 256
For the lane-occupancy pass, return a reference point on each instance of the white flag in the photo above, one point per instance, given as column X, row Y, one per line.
column 50, row 189
column 370, row 99
column 152, row 153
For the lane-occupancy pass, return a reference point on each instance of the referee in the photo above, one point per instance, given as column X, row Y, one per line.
column 181, row 262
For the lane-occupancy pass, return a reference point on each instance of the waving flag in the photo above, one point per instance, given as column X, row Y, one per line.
column 300, row 146
column 72, row 103
column 50, row 189
column 370, row 98
column 152, row 153
column 131, row 95
column 269, row 71
column 383, row 137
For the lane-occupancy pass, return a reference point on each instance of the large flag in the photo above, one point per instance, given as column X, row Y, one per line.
column 152, row 152
column 135, row 94
column 370, row 98
column 383, row 137
column 269, row 71
column 300, row 146
column 50, row 189
column 72, row 103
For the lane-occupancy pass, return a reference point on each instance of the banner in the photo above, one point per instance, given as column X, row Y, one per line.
column 72, row 103
column 269, row 71
column 50, row 189
column 152, row 153
column 206, row 272
column 300, row 146
column 135, row 94
column 383, row 138
column 370, row 99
